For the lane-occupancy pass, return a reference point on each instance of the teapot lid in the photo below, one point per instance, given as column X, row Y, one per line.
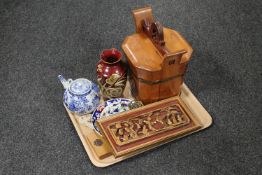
column 80, row 86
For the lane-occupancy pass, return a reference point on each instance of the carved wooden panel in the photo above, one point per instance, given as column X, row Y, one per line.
column 152, row 124
column 147, row 124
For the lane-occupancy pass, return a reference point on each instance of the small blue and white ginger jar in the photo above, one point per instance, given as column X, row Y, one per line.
column 81, row 96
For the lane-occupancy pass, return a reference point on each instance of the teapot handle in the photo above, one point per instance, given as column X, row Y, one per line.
column 65, row 83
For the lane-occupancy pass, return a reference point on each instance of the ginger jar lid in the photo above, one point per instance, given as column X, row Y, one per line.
column 80, row 86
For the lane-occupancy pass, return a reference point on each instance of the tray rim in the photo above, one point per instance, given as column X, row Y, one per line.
column 186, row 96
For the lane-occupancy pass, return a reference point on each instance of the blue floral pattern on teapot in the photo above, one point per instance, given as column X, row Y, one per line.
column 81, row 96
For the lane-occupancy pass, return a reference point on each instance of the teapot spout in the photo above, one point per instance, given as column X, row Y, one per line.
column 64, row 82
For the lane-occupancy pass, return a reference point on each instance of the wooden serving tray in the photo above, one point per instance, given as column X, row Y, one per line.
column 101, row 153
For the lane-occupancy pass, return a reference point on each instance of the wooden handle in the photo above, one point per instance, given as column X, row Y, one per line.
column 141, row 14
column 154, row 31
column 145, row 23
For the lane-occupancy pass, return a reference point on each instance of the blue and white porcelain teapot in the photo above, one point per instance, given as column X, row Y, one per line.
column 81, row 95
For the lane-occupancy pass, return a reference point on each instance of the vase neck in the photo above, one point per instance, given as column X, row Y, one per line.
column 111, row 56
column 110, row 60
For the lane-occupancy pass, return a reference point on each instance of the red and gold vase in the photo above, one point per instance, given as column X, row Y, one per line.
column 111, row 74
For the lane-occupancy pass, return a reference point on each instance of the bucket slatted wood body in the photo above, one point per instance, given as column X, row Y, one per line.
column 157, row 57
